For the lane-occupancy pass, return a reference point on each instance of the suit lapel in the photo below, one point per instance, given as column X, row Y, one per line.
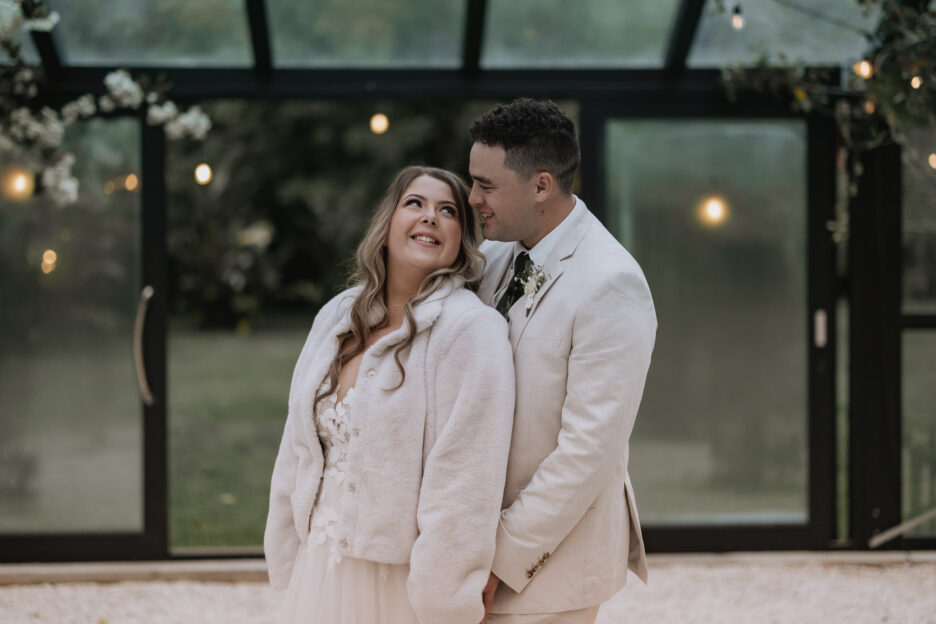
column 563, row 250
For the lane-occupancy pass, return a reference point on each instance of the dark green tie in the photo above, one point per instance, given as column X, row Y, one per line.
column 521, row 267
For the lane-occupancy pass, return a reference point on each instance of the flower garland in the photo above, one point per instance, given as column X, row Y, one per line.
column 33, row 138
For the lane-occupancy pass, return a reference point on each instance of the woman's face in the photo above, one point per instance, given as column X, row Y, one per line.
column 425, row 234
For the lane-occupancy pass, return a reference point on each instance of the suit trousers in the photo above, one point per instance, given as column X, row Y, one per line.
column 579, row 616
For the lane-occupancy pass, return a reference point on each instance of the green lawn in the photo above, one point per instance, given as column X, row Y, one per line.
column 227, row 408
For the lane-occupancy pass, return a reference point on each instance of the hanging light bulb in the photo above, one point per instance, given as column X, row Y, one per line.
column 49, row 258
column 869, row 107
column 379, row 123
column 17, row 184
column 737, row 19
column 712, row 211
column 863, row 68
column 916, row 82
column 203, row 174
column 932, row 160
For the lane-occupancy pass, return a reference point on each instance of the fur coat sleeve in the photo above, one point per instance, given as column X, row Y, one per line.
column 281, row 538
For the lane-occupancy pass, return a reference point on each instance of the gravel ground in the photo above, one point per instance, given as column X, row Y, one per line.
column 749, row 593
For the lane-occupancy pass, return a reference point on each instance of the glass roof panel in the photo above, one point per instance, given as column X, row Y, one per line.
column 577, row 33
column 183, row 33
column 30, row 55
column 367, row 33
column 818, row 32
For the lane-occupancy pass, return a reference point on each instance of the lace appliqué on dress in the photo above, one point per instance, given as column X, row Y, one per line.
column 335, row 433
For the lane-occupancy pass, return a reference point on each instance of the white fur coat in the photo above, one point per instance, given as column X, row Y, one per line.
column 431, row 457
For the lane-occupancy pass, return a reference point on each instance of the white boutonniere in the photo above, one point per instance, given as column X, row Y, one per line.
column 532, row 282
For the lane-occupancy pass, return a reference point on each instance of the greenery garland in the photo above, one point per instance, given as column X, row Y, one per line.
column 882, row 98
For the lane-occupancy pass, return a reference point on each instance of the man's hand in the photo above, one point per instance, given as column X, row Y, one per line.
column 487, row 594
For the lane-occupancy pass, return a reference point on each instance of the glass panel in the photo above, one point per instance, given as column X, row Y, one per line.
column 71, row 426
column 919, row 222
column 817, row 32
column 153, row 32
column 577, row 33
column 715, row 212
column 253, row 255
column 231, row 388
column 919, row 427
column 367, row 33
column 30, row 55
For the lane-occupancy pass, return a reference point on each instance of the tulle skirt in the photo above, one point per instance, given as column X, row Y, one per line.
column 350, row 591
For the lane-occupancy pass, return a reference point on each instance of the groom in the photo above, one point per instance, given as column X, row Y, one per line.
column 582, row 326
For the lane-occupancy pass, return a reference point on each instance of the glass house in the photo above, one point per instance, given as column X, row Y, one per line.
column 150, row 328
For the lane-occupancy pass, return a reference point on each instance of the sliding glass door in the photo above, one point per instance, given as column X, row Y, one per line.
column 73, row 378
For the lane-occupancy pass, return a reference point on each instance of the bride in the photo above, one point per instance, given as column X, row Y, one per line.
column 387, row 488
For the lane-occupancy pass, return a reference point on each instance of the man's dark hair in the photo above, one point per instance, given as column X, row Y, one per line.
column 536, row 136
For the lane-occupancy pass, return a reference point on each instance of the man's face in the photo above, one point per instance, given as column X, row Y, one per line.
column 505, row 202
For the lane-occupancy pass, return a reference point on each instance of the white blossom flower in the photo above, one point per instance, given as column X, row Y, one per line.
column 106, row 103
column 158, row 114
column 123, row 89
column 24, row 82
column 257, row 235
column 46, row 128
column 44, row 24
column 51, row 130
column 11, row 18
column 21, row 125
column 192, row 123
column 82, row 108
column 59, row 182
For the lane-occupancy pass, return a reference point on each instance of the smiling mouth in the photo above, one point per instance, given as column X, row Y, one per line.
column 486, row 215
column 425, row 239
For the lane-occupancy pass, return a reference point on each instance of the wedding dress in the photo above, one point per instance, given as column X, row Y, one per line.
column 328, row 587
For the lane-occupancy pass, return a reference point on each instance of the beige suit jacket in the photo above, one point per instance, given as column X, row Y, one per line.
column 569, row 530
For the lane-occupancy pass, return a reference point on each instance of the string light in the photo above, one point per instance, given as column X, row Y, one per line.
column 49, row 258
column 203, row 174
column 131, row 182
column 863, row 68
column 737, row 19
column 18, row 184
column 713, row 211
column 916, row 82
column 379, row 123
column 869, row 107
column 932, row 160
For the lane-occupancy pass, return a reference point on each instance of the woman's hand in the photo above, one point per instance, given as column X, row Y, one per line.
column 487, row 594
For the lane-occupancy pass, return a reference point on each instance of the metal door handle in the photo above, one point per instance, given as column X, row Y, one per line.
column 145, row 297
column 820, row 329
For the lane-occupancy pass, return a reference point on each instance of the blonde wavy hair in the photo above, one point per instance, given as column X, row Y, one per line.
column 370, row 271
